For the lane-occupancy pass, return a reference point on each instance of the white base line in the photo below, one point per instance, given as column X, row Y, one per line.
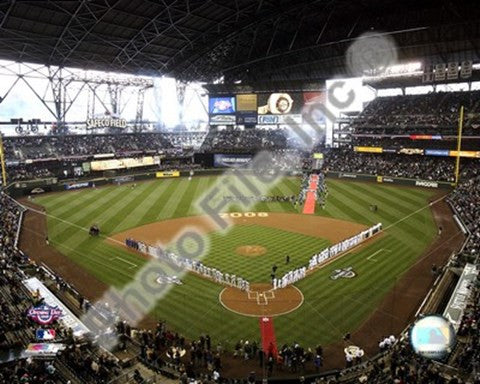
column 373, row 254
column 125, row 261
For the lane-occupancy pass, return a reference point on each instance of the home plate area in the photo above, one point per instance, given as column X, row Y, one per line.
column 261, row 300
column 261, row 297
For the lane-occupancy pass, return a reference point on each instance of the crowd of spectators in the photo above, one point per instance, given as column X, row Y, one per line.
column 80, row 360
column 400, row 143
column 466, row 201
column 241, row 141
column 435, row 112
column 203, row 359
column 30, row 172
column 407, row 166
column 40, row 147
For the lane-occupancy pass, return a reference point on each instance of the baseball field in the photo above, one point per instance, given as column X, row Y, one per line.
column 327, row 308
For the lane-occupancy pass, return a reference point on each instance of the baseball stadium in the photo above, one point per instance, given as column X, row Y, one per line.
column 239, row 192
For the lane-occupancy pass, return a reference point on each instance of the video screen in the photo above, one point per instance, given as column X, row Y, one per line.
column 221, row 105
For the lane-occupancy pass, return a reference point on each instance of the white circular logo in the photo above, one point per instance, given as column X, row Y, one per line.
column 433, row 337
column 371, row 53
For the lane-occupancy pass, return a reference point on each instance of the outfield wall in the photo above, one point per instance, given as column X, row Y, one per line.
column 32, row 187
column 25, row 188
column 391, row 180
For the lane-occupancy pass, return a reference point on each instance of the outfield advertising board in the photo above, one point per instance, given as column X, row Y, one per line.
column 164, row 174
column 81, row 185
column 227, row 161
column 390, row 180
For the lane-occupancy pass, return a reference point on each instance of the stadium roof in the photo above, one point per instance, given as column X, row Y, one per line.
column 249, row 40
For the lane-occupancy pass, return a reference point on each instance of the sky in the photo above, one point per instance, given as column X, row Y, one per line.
column 160, row 105
column 160, row 102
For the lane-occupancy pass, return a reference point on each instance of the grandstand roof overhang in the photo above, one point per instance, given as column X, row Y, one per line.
column 248, row 40
column 414, row 81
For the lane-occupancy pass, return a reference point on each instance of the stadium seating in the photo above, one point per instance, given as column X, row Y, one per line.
column 244, row 141
column 435, row 113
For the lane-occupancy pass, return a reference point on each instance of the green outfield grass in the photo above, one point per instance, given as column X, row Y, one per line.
column 331, row 308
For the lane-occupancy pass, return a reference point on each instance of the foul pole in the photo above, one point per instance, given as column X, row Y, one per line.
column 459, row 145
column 2, row 161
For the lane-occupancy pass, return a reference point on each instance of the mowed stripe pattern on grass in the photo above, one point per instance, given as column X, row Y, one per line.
column 331, row 307
column 223, row 253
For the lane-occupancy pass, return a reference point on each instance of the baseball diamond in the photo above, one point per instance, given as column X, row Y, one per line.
column 167, row 206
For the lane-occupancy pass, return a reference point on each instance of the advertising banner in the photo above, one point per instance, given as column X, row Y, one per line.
column 426, row 184
column 123, row 179
column 222, row 161
column 44, row 314
column 368, row 149
column 279, row 119
column 163, row 174
column 280, row 103
column 73, row 186
column 247, row 103
column 105, row 165
column 44, row 349
column 459, row 299
column 222, row 120
column 390, row 180
column 471, row 154
column 103, row 155
column 312, row 107
column 247, row 118
column 106, row 122
column 411, row 151
column 67, row 317
column 437, row 152
column 425, row 137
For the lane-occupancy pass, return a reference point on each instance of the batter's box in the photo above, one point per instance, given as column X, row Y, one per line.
column 261, row 297
column 269, row 294
column 252, row 295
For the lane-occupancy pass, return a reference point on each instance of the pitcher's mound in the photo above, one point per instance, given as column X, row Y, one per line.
column 261, row 300
column 251, row 250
